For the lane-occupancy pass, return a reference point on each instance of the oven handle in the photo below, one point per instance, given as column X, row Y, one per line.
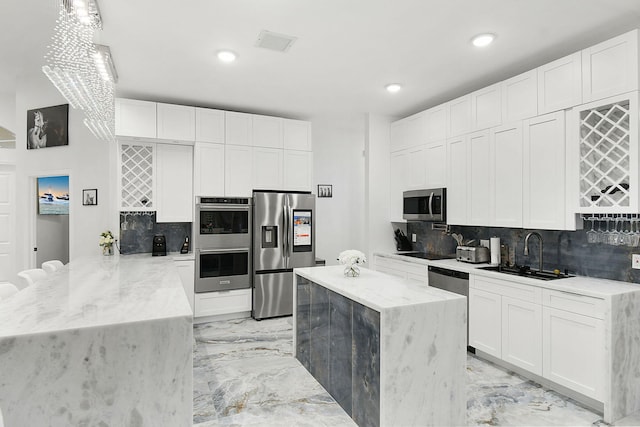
column 218, row 251
column 223, row 208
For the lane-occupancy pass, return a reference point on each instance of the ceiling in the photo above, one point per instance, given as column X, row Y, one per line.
column 346, row 51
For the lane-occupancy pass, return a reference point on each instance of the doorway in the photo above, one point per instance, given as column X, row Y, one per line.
column 52, row 219
column 7, row 223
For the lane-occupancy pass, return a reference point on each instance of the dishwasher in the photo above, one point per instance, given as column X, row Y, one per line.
column 452, row 281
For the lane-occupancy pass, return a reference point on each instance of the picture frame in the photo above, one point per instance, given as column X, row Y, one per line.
column 53, row 195
column 48, row 127
column 325, row 190
column 90, row 197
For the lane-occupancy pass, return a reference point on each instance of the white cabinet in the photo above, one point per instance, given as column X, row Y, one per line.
column 560, row 84
column 210, row 125
column 611, row 67
column 238, row 128
column 459, row 116
column 520, row 97
column 416, row 131
column 402, row 269
column 209, row 166
column 298, row 170
column 436, row 122
column 506, row 176
column 397, row 134
column 186, row 271
column 397, row 183
column 174, row 185
column 416, row 167
column 237, row 301
column 266, row 131
column 267, row 173
column 485, row 321
column 137, row 176
column 238, row 171
column 458, row 162
column 436, row 164
column 176, row 122
column 296, row 135
column 544, row 172
column 135, row 118
column 522, row 334
column 486, row 107
column 478, row 181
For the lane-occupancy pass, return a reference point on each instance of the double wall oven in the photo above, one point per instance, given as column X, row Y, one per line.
column 223, row 244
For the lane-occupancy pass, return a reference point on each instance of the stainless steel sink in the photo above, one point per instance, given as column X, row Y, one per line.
column 526, row 272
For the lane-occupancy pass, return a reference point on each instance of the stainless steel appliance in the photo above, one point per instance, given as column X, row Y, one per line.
column 283, row 239
column 425, row 205
column 473, row 254
column 452, row 281
column 222, row 244
column 159, row 245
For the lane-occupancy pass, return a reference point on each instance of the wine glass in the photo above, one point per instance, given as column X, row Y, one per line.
column 592, row 235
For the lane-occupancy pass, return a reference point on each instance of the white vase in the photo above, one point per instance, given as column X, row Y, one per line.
column 107, row 250
column 352, row 270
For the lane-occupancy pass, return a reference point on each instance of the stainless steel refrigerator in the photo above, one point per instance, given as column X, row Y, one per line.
column 283, row 239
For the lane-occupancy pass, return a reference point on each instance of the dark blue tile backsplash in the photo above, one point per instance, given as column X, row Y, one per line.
column 564, row 250
column 138, row 228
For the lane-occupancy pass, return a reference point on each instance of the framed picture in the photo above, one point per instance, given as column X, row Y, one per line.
column 90, row 197
column 53, row 195
column 48, row 127
column 325, row 191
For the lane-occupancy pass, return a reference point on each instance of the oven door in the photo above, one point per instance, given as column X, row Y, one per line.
column 223, row 226
column 222, row 269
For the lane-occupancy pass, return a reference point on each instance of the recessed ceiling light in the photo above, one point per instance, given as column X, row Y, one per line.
column 482, row 40
column 226, row 56
column 393, row 87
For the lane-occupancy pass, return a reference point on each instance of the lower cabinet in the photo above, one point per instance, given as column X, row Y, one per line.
column 485, row 321
column 402, row 269
column 522, row 334
column 222, row 302
column 186, row 271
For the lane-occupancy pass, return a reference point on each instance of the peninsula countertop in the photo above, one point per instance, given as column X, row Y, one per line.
column 97, row 291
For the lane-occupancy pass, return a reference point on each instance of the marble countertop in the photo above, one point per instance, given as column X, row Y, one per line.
column 589, row 286
column 374, row 289
column 97, row 291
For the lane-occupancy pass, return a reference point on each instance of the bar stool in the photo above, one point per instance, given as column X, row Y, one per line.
column 7, row 290
column 31, row 276
column 51, row 266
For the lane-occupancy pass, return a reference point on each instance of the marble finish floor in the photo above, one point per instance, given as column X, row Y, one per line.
column 244, row 374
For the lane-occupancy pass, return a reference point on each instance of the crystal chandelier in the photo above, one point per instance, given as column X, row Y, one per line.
column 82, row 71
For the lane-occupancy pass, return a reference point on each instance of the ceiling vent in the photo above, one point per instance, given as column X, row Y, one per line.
column 275, row 41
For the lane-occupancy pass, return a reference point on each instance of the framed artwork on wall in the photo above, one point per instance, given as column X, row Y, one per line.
column 325, row 190
column 48, row 127
column 53, row 195
column 90, row 197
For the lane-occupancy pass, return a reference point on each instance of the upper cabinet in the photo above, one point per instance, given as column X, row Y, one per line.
column 486, row 107
column 520, row 97
column 296, row 135
column 210, row 125
column 266, row 132
column 611, row 67
column 174, row 186
column 560, row 84
column 459, row 116
column 176, row 122
column 436, row 123
column 238, row 128
column 135, row 118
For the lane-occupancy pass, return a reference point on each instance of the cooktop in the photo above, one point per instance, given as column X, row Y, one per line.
column 424, row 255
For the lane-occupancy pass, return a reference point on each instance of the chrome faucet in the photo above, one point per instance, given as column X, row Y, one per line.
column 526, row 246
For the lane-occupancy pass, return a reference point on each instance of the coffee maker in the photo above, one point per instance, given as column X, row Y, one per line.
column 159, row 245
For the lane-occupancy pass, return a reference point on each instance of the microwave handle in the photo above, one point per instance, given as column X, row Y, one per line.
column 431, row 204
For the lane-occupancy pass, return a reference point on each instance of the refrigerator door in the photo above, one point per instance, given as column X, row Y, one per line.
column 268, row 231
column 272, row 295
column 301, row 230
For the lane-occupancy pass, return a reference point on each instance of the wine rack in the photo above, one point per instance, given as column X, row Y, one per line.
column 136, row 177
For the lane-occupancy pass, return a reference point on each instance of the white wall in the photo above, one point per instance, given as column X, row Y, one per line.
column 86, row 160
column 338, row 160
column 8, row 111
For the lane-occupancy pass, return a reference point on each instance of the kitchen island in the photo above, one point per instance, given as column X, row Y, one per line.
column 389, row 351
column 102, row 341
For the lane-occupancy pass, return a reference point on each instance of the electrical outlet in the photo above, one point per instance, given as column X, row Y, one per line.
column 413, row 238
column 635, row 261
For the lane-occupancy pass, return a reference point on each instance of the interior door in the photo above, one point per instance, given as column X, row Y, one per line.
column 7, row 223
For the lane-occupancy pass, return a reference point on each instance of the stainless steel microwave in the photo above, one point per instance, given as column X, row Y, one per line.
column 425, row 205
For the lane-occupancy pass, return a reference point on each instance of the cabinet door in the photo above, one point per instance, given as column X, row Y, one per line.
column 479, row 181
column 459, row 116
column 267, row 132
column 520, row 97
column 238, row 128
column 208, row 174
column 522, row 334
column 237, row 171
column 486, row 107
column 135, row 118
column 186, row 271
column 436, row 164
column 209, row 125
column 267, row 168
column 457, row 180
column 296, row 135
column 416, row 129
column 485, row 322
column 174, row 186
column 437, row 123
column 416, row 167
column 298, row 170
column 176, row 122
column 397, row 135
column 611, row 67
column 397, row 183
column 544, row 172
column 573, row 354
column 506, row 156
column 560, row 84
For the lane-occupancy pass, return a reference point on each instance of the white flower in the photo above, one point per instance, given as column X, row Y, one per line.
column 351, row 257
column 106, row 239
